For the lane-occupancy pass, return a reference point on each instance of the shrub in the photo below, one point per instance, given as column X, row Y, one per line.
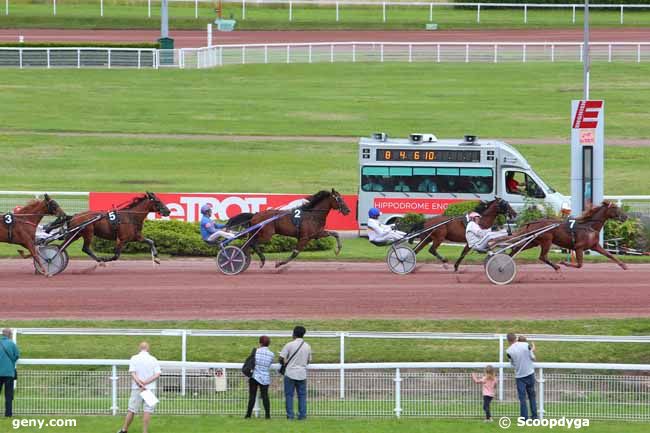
column 410, row 221
column 462, row 208
column 534, row 210
column 179, row 238
column 631, row 233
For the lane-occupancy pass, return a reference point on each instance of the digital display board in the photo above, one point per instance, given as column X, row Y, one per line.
column 428, row 155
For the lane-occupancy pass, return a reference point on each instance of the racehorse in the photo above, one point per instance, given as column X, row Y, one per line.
column 454, row 228
column 20, row 227
column 122, row 225
column 577, row 234
column 304, row 223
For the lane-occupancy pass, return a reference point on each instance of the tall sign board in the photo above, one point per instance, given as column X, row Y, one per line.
column 587, row 154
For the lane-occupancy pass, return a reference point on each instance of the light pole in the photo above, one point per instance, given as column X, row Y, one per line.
column 585, row 53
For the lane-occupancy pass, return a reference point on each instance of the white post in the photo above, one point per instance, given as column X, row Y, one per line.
column 430, row 11
column 383, row 11
column 381, row 53
column 14, row 337
column 109, row 58
column 478, row 13
column 541, row 393
column 114, row 379
column 524, row 56
column 525, row 14
column 609, row 53
column 438, row 53
column 101, row 8
column 410, row 53
column 398, row 393
column 209, row 34
column 196, row 9
column 501, row 368
column 266, row 54
column 20, row 57
column 552, row 53
column 354, row 53
column 54, row 7
column 309, row 53
column 496, row 53
column 48, row 58
column 183, row 357
column 332, row 53
column 288, row 53
column 574, row 15
column 139, row 59
column 621, row 14
column 243, row 55
column 148, row 8
column 6, row 7
column 290, row 11
column 638, row 55
column 79, row 58
column 466, row 53
column 337, row 12
column 243, row 9
column 342, row 363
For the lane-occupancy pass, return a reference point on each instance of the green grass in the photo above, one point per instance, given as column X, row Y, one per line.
column 502, row 100
column 120, row 14
column 205, row 424
column 326, row 350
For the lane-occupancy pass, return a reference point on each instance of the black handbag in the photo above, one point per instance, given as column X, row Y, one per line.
column 7, row 353
column 283, row 365
column 249, row 364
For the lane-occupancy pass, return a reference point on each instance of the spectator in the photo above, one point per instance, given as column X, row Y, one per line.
column 489, row 382
column 522, row 355
column 145, row 370
column 402, row 186
column 261, row 377
column 372, row 184
column 427, row 185
column 296, row 355
column 8, row 357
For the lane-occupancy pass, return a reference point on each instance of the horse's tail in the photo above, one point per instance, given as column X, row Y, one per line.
column 241, row 220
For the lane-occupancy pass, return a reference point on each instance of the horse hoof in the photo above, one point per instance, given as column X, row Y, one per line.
column 101, row 264
column 156, row 261
column 445, row 265
column 261, row 265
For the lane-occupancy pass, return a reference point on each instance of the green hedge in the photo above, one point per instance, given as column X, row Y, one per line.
column 462, row 208
column 145, row 45
column 179, row 238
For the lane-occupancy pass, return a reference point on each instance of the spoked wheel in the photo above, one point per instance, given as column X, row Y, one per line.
column 500, row 269
column 401, row 259
column 54, row 260
column 232, row 260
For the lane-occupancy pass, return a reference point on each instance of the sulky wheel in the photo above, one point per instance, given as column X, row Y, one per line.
column 500, row 269
column 401, row 259
column 53, row 259
column 232, row 260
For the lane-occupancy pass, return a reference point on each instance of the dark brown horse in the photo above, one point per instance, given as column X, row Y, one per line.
column 454, row 229
column 20, row 227
column 122, row 225
column 304, row 223
column 577, row 234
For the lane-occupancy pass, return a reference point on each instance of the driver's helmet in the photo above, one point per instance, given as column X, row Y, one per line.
column 206, row 209
column 473, row 215
column 374, row 212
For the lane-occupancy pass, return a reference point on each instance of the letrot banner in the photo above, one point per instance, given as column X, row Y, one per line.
column 185, row 206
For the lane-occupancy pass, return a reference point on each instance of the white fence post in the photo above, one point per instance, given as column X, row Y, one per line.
column 466, row 53
column 337, row 12
column 383, row 11
column 196, row 9
column 541, row 393
column 609, row 53
column 114, row 379
column 209, row 34
column 290, row 11
column 266, row 54
column 309, row 53
column 573, row 20
column 139, row 59
column 638, row 53
column 496, row 53
column 243, row 9
column 288, row 53
column 54, row 7
column 381, row 53
column 148, row 8
column 184, row 343
column 621, row 14
column 525, row 14
column 342, row 362
column 478, row 13
column 524, row 54
column 243, row 55
column 48, row 58
column 430, row 11
column 398, row 393
column 354, row 53
column 79, row 58
column 109, row 58
column 410, row 53
column 501, row 368
column 438, row 53
column 101, row 8
column 552, row 53
column 6, row 7
column 332, row 53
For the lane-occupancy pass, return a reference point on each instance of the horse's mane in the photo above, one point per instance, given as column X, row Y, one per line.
column 590, row 212
column 134, row 201
column 313, row 200
column 482, row 206
column 30, row 205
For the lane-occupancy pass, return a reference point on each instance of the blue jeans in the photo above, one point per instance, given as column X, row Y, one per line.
column 301, row 387
column 526, row 385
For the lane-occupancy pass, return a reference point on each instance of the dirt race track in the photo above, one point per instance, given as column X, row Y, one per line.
column 193, row 289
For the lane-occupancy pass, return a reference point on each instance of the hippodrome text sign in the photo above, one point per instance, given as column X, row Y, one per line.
column 413, row 205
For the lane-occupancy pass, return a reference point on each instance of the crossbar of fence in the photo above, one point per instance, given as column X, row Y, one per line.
column 436, row 389
column 77, row 57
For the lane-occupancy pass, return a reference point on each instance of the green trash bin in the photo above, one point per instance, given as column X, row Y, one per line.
column 166, row 51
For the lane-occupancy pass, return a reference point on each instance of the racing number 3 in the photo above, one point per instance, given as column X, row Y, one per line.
column 9, row 219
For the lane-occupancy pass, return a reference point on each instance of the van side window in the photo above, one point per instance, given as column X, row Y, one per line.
column 456, row 180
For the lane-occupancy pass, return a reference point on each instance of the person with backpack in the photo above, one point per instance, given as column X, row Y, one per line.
column 9, row 354
column 260, row 376
column 294, row 358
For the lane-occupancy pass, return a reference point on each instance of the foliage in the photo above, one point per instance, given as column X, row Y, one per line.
column 179, row 238
column 410, row 221
column 631, row 233
column 462, row 208
column 534, row 210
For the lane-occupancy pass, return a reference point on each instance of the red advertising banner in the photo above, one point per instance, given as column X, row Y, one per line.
column 185, row 206
column 430, row 206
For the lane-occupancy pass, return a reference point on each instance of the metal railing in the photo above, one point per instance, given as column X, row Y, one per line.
column 410, row 52
column 385, row 6
column 78, row 57
column 439, row 389
column 71, row 202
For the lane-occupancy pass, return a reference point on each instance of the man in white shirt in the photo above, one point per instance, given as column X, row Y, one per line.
column 381, row 233
column 145, row 370
column 477, row 237
column 296, row 355
column 522, row 356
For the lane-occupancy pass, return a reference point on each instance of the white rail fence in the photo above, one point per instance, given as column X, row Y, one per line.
column 385, row 6
column 78, row 57
column 427, row 52
column 342, row 336
column 439, row 389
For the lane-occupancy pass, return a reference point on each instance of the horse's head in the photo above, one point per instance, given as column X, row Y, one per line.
column 337, row 202
column 155, row 205
column 52, row 207
column 47, row 206
column 614, row 212
column 504, row 208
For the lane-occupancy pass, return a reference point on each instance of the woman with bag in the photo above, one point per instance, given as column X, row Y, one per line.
column 260, row 377
column 9, row 354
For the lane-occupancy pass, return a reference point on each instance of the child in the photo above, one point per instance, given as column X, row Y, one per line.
column 489, row 382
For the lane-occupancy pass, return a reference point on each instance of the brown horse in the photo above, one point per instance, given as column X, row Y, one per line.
column 454, row 229
column 577, row 234
column 304, row 223
column 20, row 227
column 122, row 225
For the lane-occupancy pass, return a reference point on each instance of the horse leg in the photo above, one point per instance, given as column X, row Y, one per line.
column 545, row 247
column 117, row 252
column 152, row 246
column 579, row 257
column 609, row 255
column 434, row 250
column 88, row 237
column 422, row 243
column 259, row 253
column 336, row 236
column 32, row 251
column 299, row 246
column 462, row 256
